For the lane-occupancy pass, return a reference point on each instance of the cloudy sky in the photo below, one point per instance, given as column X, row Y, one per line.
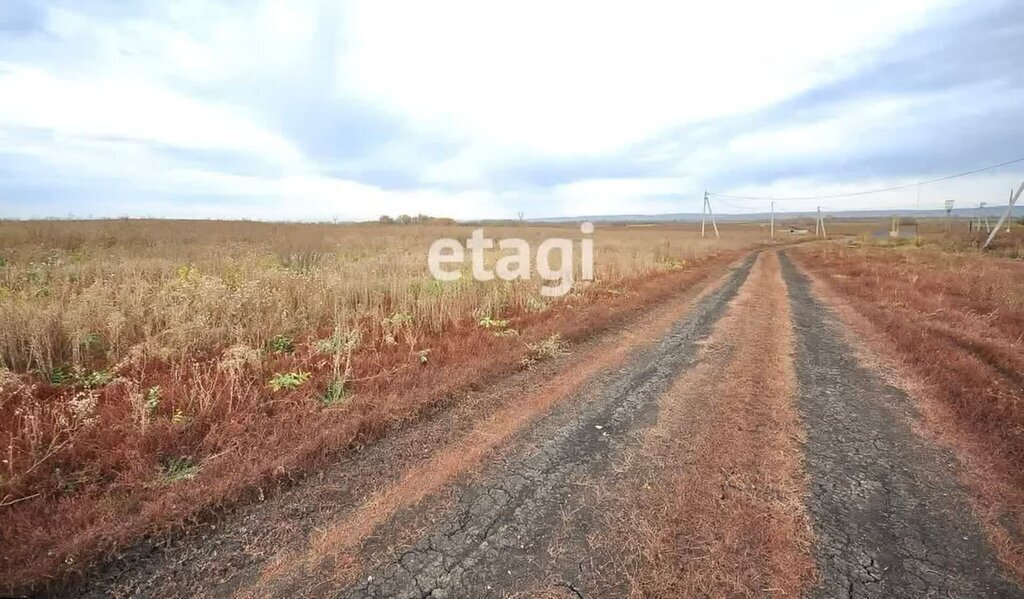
column 313, row 110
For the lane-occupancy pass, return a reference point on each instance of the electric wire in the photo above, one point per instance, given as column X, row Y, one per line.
column 869, row 191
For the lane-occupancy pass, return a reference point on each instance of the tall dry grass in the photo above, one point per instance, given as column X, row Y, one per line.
column 150, row 369
column 116, row 290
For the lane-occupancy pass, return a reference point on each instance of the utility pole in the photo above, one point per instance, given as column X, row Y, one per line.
column 773, row 219
column 981, row 216
column 705, row 213
column 1009, row 217
column 949, row 211
column 1005, row 216
column 819, row 225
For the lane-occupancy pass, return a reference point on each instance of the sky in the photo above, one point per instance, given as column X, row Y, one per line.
column 317, row 110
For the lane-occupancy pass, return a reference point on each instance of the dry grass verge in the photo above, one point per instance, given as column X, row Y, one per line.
column 713, row 501
column 950, row 329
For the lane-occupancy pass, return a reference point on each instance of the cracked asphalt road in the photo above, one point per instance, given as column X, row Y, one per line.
column 890, row 518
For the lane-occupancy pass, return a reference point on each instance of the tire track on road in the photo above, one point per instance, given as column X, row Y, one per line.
column 889, row 516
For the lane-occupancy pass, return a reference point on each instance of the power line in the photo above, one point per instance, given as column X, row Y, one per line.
column 871, row 191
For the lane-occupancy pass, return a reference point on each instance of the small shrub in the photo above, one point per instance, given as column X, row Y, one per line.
column 552, row 347
column 286, row 381
column 61, row 375
column 422, row 354
column 179, row 469
column 398, row 319
column 65, row 375
column 339, row 342
column 179, row 417
column 281, row 344
column 239, row 358
column 328, row 346
column 492, row 323
column 399, row 323
column 674, row 263
column 335, row 393
column 535, row 304
column 152, row 400
column 95, row 378
column 187, row 274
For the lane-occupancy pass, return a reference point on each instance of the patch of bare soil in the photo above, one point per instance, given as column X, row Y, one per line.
column 888, row 513
column 712, row 502
column 315, row 526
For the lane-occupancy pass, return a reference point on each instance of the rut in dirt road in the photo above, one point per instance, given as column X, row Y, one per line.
column 889, row 516
column 492, row 542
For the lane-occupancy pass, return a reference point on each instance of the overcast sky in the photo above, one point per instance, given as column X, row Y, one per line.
column 307, row 110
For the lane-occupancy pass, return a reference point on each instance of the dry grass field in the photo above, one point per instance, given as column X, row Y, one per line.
column 154, row 372
column 151, row 370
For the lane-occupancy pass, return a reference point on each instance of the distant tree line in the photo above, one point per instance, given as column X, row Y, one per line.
column 419, row 219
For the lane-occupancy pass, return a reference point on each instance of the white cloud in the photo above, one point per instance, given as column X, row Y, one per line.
column 131, row 110
column 583, row 77
column 497, row 84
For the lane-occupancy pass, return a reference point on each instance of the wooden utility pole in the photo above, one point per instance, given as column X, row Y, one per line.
column 1004, row 217
column 819, row 226
column 1009, row 217
column 773, row 219
column 949, row 211
column 705, row 213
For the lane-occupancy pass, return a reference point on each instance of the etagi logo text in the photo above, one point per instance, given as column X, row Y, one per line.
column 515, row 261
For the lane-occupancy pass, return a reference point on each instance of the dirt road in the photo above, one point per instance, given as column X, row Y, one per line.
column 890, row 517
column 728, row 444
